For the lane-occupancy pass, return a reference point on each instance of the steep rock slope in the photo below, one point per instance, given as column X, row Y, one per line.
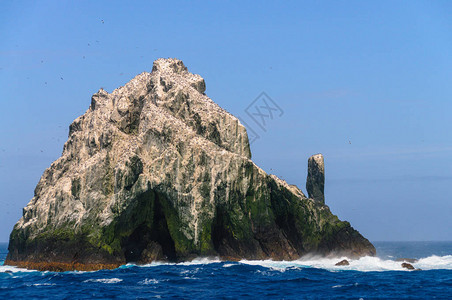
column 315, row 182
column 156, row 170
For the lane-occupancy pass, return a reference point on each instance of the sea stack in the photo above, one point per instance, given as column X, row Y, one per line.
column 315, row 183
column 156, row 170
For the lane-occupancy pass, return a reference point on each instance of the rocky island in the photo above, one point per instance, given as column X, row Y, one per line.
column 156, row 171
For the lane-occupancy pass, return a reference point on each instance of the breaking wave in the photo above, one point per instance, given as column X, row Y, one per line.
column 197, row 261
column 364, row 264
column 12, row 269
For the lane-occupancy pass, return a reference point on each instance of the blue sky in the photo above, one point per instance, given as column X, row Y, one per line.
column 368, row 84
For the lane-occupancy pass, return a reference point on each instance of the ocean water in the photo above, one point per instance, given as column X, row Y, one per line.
column 310, row 278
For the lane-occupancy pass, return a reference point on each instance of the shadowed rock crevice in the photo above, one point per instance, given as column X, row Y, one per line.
column 150, row 243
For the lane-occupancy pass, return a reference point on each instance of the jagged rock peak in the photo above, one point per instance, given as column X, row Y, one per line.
column 315, row 183
column 169, row 94
column 169, row 64
column 172, row 66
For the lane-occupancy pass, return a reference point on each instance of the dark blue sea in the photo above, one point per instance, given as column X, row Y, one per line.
column 310, row 278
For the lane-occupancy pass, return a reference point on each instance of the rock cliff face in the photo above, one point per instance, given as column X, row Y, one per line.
column 156, row 170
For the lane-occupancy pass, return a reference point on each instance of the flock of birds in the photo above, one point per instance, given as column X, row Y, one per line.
column 84, row 57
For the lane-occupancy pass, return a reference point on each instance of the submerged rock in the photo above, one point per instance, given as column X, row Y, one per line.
column 315, row 183
column 343, row 262
column 156, row 170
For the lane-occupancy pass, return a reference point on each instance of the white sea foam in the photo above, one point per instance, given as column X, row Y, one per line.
column 197, row 261
column 9, row 269
column 435, row 262
column 201, row 261
column 364, row 264
column 149, row 281
column 344, row 285
column 43, row 284
column 104, row 280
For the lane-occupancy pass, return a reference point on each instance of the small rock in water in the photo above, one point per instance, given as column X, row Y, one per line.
column 407, row 266
column 342, row 263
